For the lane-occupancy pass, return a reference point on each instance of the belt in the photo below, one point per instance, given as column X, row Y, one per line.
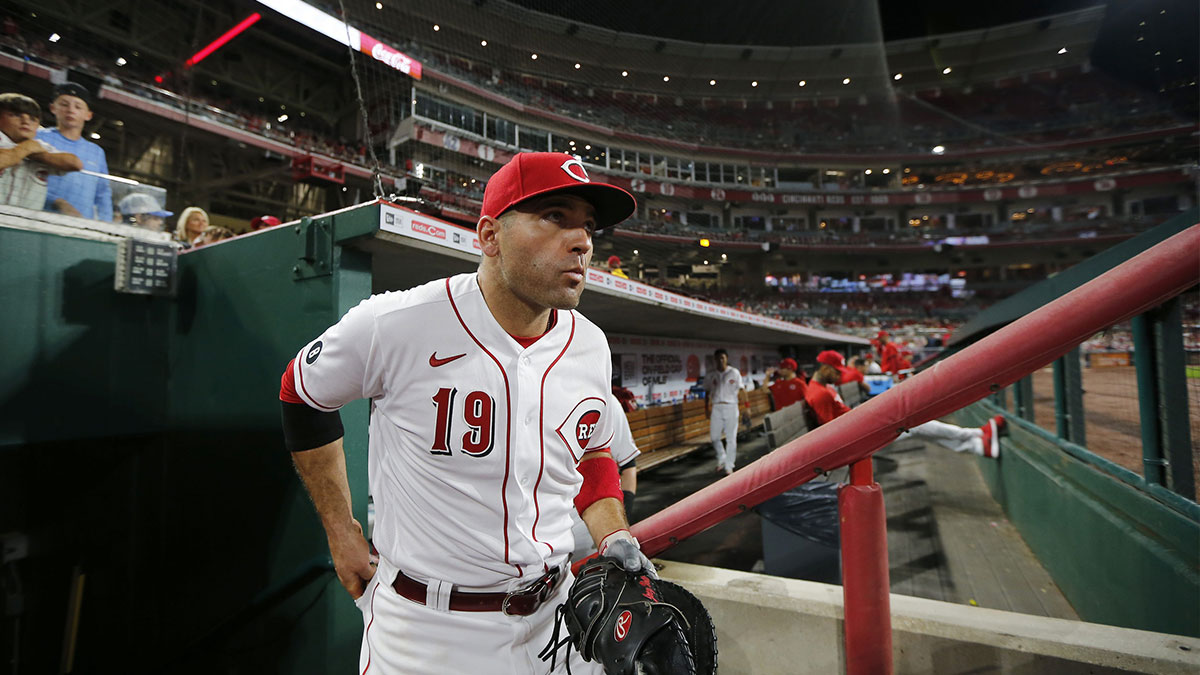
column 517, row 603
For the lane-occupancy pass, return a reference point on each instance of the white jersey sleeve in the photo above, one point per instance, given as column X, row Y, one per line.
column 336, row 368
column 623, row 447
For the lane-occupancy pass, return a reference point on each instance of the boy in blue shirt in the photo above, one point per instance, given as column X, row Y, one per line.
column 76, row 194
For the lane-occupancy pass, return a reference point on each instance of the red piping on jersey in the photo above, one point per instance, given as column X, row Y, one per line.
column 537, row 510
column 507, row 421
column 367, row 633
column 304, row 389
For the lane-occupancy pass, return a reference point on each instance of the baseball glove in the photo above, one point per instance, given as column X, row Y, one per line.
column 620, row 620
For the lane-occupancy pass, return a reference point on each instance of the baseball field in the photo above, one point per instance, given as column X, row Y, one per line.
column 1111, row 413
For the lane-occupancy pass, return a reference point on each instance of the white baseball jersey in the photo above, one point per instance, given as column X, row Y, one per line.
column 474, row 440
column 623, row 448
column 24, row 184
column 723, row 387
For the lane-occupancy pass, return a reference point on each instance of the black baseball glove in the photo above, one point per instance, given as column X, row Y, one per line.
column 620, row 620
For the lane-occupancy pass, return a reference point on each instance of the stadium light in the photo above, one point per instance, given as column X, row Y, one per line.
column 803, row 82
column 436, row 27
column 754, row 83
column 220, row 42
column 704, row 243
column 868, row 172
column 939, row 149
column 666, row 78
column 846, row 81
column 635, row 251
column 282, row 118
column 483, row 43
column 946, row 70
column 897, row 76
column 533, row 56
column 724, row 257
column 887, row 170
column 578, row 66
column 624, row 73
column 55, row 37
column 379, row 5
column 95, row 136
column 121, row 61
column 1063, row 50
column 712, row 83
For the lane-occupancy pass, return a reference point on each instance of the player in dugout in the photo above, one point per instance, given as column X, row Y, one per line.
column 789, row 388
column 827, row 405
column 491, row 419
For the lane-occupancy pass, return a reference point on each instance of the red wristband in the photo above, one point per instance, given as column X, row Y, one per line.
column 601, row 479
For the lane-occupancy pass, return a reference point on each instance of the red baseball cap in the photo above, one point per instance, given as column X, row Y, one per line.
column 788, row 364
column 882, row 334
column 531, row 174
column 831, row 358
column 614, row 261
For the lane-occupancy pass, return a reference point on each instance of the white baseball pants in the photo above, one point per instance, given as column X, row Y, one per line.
column 724, row 420
column 402, row 637
column 958, row 439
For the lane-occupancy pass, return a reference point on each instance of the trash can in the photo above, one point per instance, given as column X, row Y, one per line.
column 800, row 533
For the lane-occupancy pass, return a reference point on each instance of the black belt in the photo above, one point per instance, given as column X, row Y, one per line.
column 518, row 603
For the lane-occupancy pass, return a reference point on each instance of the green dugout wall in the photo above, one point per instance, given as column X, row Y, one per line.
column 140, row 447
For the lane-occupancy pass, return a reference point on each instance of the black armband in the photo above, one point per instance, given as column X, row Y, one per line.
column 628, row 465
column 306, row 428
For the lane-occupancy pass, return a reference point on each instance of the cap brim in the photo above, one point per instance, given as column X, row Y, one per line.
column 613, row 204
column 162, row 214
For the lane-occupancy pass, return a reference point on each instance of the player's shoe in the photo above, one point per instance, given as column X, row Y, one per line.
column 992, row 431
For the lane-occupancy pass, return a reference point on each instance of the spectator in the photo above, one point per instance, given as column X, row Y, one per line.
column 144, row 211
column 984, row 441
column 25, row 162
column 614, row 267
column 872, row 366
column 263, row 222
column 789, row 388
column 212, row 235
column 191, row 224
column 76, row 194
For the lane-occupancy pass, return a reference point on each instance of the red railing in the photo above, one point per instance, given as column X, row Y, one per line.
column 994, row 362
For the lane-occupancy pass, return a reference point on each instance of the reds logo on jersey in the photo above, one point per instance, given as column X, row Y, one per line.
column 577, row 430
column 622, row 628
column 585, row 426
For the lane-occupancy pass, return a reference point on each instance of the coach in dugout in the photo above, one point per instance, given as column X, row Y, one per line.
column 76, row 194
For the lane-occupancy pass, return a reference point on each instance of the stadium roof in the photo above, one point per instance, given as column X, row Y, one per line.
column 797, row 23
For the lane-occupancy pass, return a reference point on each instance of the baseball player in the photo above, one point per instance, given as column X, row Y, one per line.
column 984, row 441
column 491, row 419
column 788, row 388
column 725, row 391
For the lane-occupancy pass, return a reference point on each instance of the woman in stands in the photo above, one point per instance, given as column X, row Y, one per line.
column 191, row 224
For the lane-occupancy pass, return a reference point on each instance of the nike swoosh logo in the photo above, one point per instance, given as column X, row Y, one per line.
column 435, row 361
